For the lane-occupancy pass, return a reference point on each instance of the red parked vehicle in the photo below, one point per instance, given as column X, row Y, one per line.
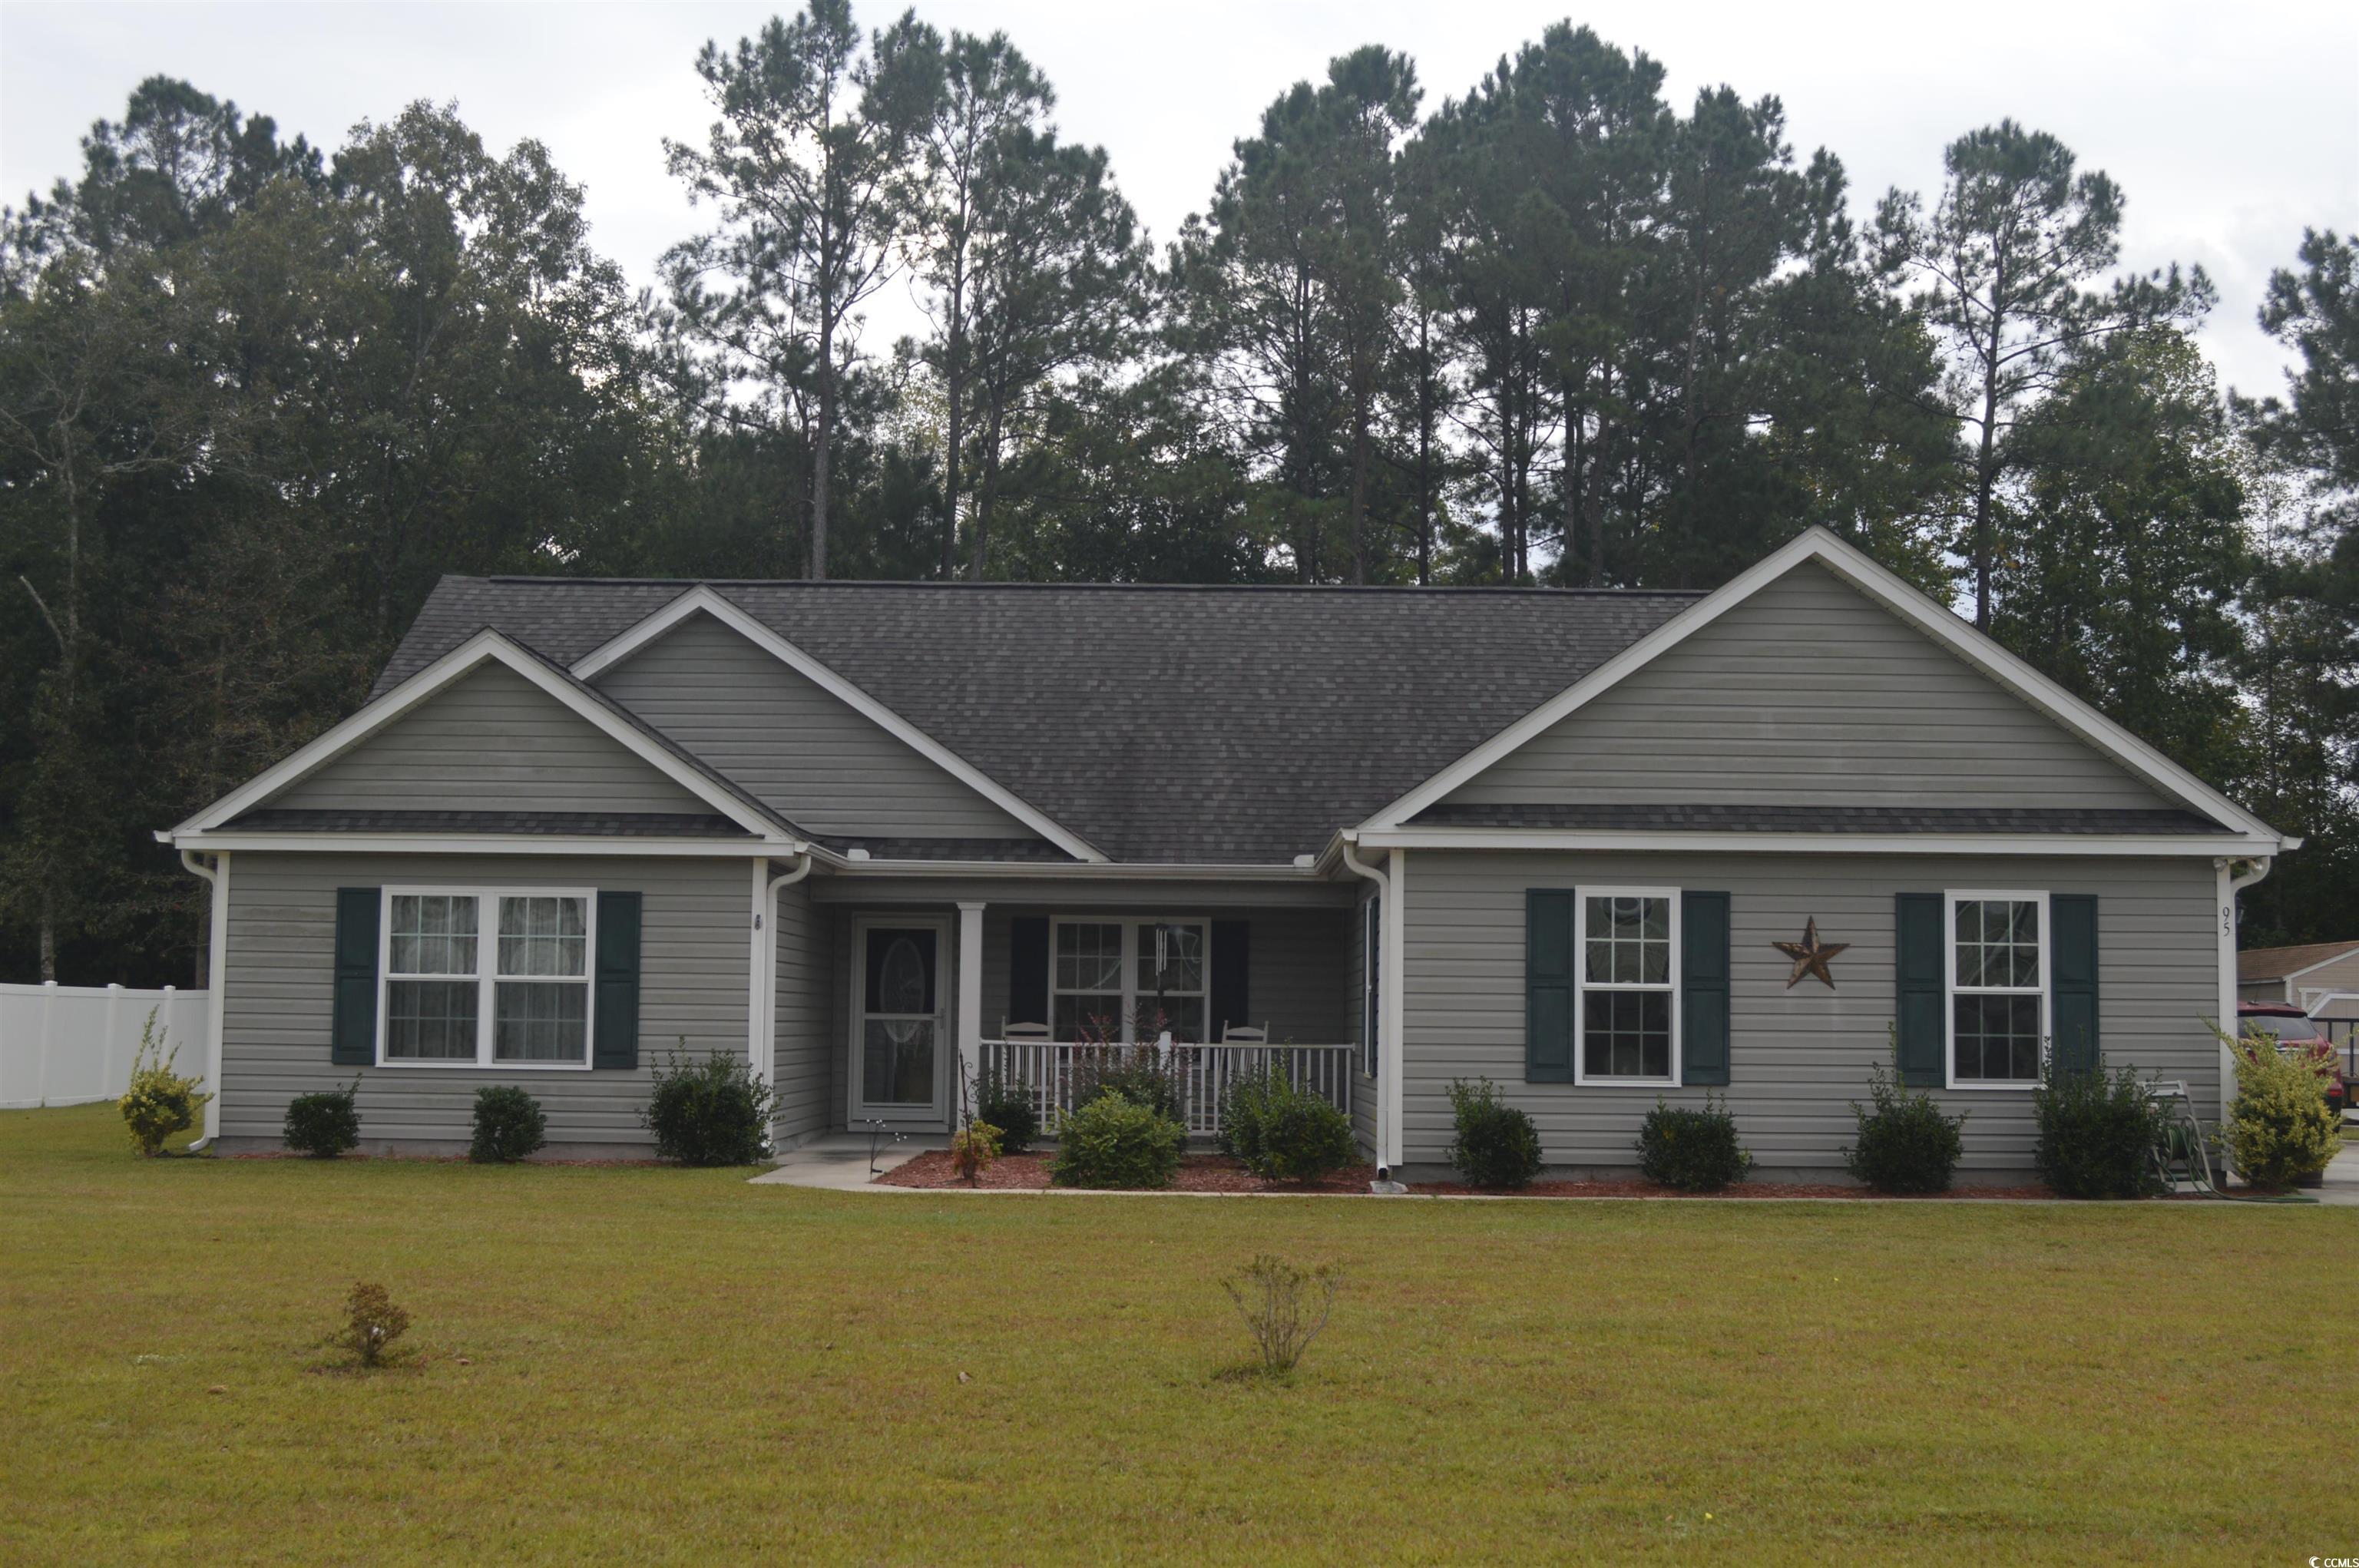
column 2299, row 1036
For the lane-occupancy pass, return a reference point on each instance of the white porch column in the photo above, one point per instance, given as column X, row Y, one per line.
column 761, row 1039
column 217, row 987
column 1393, row 985
column 970, row 998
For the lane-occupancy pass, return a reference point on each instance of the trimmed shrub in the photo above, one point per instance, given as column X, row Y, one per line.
column 325, row 1124
column 2281, row 1130
column 158, row 1102
column 1283, row 1133
column 972, row 1149
column 1906, row 1143
column 1496, row 1144
column 1690, row 1147
column 372, row 1323
column 1009, row 1107
column 508, row 1125
column 708, row 1110
column 2097, row 1133
column 1116, row 1142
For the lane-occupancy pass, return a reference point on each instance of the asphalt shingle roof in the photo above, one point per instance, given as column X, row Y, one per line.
column 1822, row 818
column 1160, row 724
column 2276, row 963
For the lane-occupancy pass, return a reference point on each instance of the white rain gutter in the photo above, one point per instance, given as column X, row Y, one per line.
column 2230, row 882
column 216, row 876
column 1389, row 978
column 764, row 1012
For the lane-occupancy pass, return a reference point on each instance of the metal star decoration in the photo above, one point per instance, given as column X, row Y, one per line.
column 1810, row 955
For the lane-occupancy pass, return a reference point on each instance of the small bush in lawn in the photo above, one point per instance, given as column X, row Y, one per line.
column 1010, row 1108
column 158, row 1102
column 708, row 1110
column 1284, row 1308
column 372, row 1323
column 1906, row 1145
column 1114, row 1142
column 325, row 1124
column 1692, row 1149
column 1283, row 1133
column 1496, row 1144
column 972, row 1149
column 2097, row 1133
column 2281, row 1130
column 508, row 1125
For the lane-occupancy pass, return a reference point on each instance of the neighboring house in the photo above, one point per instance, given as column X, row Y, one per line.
column 2298, row 977
column 861, row 833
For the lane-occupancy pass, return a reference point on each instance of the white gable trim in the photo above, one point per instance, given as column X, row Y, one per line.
column 485, row 647
column 1856, row 567
column 705, row 600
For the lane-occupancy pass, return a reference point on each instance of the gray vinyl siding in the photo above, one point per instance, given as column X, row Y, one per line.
column 492, row 741
column 2341, row 975
column 1807, row 694
column 801, row 750
column 809, row 1045
column 282, row 922
column 1295, row 957
column 1798, row 1057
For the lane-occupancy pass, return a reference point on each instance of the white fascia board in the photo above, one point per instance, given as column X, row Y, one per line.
column 489, row 843
column 1601, row 841
column 1864, row 574
column 486, row 645
column 1084, row 869
column 704, row 599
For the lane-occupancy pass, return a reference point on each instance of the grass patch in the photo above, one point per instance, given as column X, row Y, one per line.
column 673, row 1366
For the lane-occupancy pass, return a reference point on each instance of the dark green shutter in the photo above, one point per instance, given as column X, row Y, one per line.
column 351, row 1031
column 1028, row 970
column 1548, row 948
column 615, row 1030
column 1232, row 967
column 1703, row 988
column 2073, row 985
column 1918, row 985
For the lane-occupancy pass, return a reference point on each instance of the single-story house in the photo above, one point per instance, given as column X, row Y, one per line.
column 1601, row 848
column 2296, row 976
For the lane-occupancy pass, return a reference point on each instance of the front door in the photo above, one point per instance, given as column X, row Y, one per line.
column 898, row 1047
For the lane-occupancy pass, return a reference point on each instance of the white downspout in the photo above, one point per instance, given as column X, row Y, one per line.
column 766, row 982
column 1387, row 985
column 2230, row 882
column 216, row 984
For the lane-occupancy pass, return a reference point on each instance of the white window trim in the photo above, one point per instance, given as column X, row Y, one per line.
column 1130, row 992
column 1951, row 899
column 1582, row 986
column 487, row 975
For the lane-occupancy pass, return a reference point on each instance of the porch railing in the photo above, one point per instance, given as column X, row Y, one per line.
column 1052, row 1072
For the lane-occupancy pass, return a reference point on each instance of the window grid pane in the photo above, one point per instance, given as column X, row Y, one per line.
column 1089, row 958
column 543, row 936
column 433, row 934
column 1627, row 941
column 540, row 1021
column 1998, row 944
column 430, row 1020
column 1626, row 1034
column 1998, row 1038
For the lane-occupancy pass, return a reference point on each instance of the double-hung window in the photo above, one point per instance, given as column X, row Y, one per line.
column 486, row 978
column 1998, row 988
column 1628, row 1014
column 1129, row 979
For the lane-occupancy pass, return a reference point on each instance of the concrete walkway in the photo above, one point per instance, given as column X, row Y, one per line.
column 839, row 1161
column 2341, row 1179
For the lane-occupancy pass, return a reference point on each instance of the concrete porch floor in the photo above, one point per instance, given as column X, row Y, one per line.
column 840, row 1160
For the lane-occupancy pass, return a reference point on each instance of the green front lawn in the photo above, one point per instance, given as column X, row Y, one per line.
column 670, row 1365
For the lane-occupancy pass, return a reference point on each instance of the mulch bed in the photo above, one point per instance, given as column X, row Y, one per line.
column 1218, row 1173
column 1198, row 1173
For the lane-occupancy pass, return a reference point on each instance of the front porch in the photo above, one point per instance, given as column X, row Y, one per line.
column 890, row 1001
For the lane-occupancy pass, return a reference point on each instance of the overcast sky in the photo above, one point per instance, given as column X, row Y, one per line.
column 2230, row 126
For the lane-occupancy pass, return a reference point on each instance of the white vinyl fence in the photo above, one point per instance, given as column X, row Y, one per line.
column 68, row 1045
